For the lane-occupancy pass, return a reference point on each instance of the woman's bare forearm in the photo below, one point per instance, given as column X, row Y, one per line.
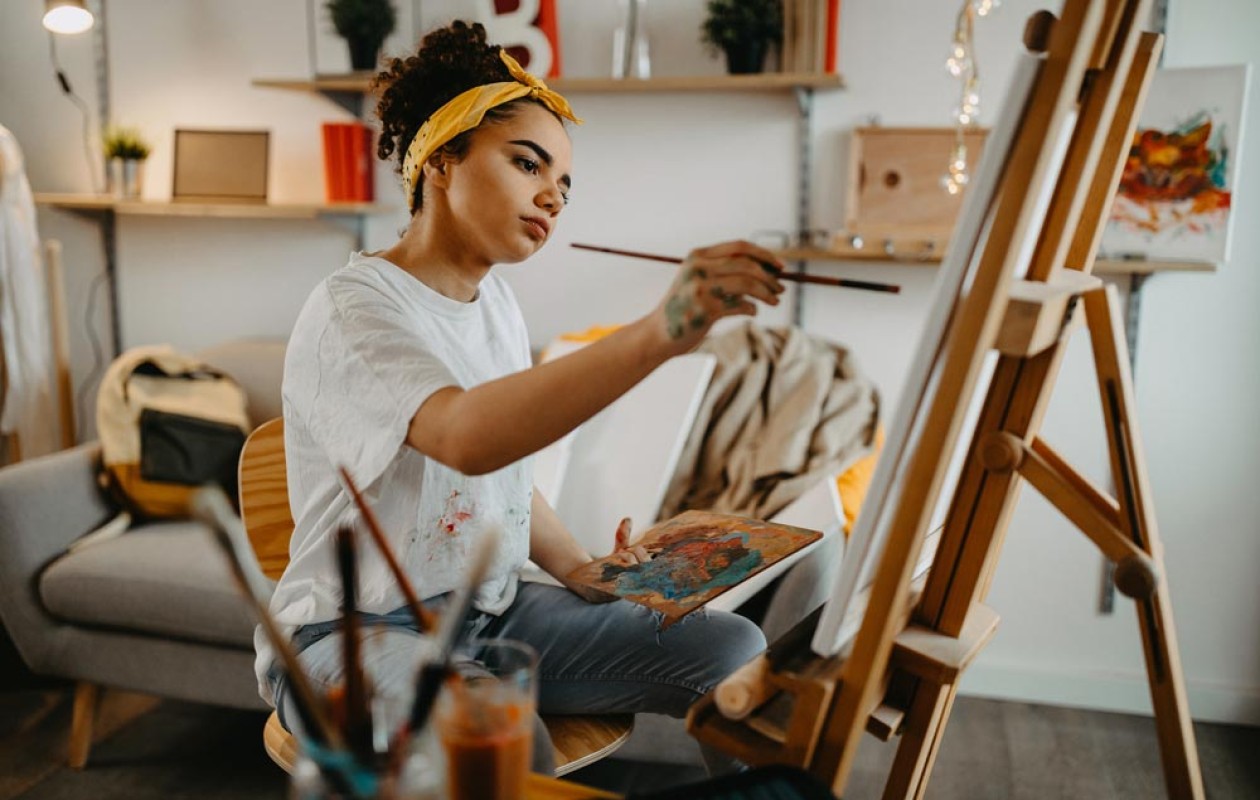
column 492, row 425
column 485, row 428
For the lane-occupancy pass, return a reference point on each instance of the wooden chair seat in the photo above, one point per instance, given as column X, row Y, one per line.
column 575, row 741
column 264, row 498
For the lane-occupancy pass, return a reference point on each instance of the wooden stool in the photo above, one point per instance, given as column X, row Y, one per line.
column 575, row 741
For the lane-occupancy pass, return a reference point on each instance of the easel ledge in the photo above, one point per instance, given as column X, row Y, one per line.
column 900, row 674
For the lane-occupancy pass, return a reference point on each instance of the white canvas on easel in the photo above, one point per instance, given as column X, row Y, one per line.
column 837, row 626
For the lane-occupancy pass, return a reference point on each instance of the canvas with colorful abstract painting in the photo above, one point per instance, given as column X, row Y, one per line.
column 696, row 556
column 1175, row 199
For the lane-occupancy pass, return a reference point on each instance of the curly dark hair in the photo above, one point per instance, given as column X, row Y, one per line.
column 449, row 61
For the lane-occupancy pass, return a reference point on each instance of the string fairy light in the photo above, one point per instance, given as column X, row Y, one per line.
column 962, row 65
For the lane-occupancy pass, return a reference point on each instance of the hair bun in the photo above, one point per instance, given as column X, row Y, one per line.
column 449, row 61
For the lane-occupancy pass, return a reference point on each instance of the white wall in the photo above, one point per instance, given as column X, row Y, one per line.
column 668, row 172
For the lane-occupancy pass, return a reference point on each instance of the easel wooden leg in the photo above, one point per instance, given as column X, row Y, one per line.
column 1137, row 516
column 925, row 726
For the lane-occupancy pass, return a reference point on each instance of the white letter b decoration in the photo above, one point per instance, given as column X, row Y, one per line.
column 516, row 28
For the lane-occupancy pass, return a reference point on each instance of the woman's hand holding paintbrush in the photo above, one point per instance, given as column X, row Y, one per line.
column 716, row 282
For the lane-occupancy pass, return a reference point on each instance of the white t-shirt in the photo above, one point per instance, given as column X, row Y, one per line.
column 369, row 347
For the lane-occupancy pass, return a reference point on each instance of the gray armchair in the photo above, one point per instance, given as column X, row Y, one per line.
column 152, row 610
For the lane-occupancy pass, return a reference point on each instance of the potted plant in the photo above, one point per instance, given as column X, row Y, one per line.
column 364, row 24
column 744, row 30
column 125, row 151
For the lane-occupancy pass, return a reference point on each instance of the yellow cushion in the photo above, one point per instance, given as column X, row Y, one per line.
column 568, row 342
column 590, row 334
column 853, row 482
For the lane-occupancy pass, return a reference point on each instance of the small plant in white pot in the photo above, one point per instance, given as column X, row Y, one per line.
column 125, row 152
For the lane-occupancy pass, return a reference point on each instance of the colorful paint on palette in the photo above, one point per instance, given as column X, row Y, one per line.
column 695, row 557
column 687, row 566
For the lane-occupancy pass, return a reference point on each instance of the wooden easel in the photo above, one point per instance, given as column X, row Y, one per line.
column 900, row 675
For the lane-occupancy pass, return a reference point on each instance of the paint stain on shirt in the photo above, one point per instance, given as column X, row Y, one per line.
column 455, row 515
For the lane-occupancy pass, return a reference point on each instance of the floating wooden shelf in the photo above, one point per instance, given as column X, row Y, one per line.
column 919, row 254
column 764, row 82
column 151, row 208
column 1108, row 266
column 358, row 82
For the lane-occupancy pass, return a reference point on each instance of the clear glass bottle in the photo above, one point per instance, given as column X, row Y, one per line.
column 631, row 52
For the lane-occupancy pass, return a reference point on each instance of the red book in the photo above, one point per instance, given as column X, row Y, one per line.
column 334, row 188
column 345, row 143
column 361, row 156
column 833, row 36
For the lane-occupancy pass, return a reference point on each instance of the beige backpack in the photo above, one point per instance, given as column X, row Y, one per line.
column 168, row 423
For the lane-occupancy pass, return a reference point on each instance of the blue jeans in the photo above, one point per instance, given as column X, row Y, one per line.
column 593, row 658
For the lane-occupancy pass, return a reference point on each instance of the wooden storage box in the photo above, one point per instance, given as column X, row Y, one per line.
column 895, row 190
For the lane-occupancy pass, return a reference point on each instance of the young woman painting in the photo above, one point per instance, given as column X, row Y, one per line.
column 411, row 368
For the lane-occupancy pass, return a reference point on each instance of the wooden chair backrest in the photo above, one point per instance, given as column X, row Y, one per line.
column 264, row 497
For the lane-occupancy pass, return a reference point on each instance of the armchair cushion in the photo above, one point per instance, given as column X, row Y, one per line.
column 163, row 579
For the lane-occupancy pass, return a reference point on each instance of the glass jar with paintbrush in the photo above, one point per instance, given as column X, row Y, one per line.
column 381, row 745
column 381, row 749
column 485, row 719
column 394, row 765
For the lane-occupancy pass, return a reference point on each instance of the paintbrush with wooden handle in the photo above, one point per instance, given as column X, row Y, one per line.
column 426, row 619
column 437, row 666
column 211, row 505
column 795, row 277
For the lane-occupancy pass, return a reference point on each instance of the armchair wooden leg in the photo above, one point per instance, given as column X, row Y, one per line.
column 86, row 699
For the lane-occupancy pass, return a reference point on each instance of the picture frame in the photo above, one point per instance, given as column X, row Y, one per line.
column 220, row 166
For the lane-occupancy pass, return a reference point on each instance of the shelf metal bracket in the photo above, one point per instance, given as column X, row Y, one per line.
column 804, row 100
column 804, row 173
column 354, row 224
column 107, row 220
column 350, row 101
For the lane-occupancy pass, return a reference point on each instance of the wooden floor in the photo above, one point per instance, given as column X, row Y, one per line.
column 993, row 749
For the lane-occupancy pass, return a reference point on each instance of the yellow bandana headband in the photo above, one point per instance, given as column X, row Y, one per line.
column 465, row 112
